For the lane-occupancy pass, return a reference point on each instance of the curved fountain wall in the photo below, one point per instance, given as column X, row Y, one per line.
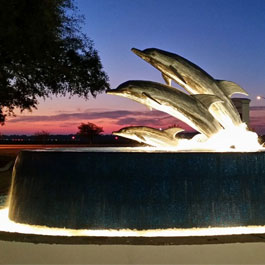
column 114, row 188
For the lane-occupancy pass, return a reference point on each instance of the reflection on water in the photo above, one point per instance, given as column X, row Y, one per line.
column 184, row 148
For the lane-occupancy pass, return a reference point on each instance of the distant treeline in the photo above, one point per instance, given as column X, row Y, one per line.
column 62, row 139
column 76, row 139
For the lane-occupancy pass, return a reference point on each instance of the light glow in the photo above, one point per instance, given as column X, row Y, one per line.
column 233, row 137
column 6, row 225
column 236, row 139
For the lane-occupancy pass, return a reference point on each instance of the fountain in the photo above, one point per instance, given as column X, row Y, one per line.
column 212, row 184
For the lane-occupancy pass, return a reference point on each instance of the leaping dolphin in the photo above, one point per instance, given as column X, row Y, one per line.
column 189, row 109
column 196, row 81
column 151, row 136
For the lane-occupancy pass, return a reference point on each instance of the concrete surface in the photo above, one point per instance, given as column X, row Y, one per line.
column 27, row 253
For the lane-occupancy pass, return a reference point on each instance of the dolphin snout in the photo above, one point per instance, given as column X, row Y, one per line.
column 118, row 133
column 138, row 52
column 112, row 92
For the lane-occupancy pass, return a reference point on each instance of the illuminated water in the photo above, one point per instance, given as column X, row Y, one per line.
column 6, row 225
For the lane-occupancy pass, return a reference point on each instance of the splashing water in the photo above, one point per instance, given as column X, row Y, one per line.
column 236, row 139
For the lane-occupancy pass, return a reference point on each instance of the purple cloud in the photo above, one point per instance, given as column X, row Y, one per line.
column 257, row 108
column 131, row 118
column 118, row 114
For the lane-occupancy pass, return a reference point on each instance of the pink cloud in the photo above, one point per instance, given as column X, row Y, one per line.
column 65, row 122
column 257, row 119
column 109, row 120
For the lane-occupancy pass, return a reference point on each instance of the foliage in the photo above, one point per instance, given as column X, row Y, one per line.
column 41, row 136
column 89, row 131
column 43, row 52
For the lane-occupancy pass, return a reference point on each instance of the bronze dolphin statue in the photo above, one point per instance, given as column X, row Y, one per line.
column 151, row 136
column 196, row 81
column 191, row 109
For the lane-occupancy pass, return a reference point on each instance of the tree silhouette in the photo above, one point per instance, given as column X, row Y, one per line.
column 87, row 131
column 43, row 52
column 41, row 136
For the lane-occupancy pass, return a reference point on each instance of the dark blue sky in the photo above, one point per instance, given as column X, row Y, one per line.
column 224, row 37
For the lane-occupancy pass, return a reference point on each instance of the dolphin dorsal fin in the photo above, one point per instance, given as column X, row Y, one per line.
column 207, row 100
column 173, row 131
column 167, row 79
column 229, row 88
column 175, row 71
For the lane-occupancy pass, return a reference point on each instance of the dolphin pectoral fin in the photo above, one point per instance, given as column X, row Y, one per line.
column 167, row 79
column 149, row 107
column 150, row 97
column 173, row 131
column 230, row 88
column 207, row 100
column 175, row 72
column 140, row 137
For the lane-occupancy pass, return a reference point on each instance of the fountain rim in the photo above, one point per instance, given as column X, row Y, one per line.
column 16, row 236
column 129, row 240
column 144, row 149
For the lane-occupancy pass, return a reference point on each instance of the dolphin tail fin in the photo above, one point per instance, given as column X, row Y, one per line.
column 207, row 100
column 167, row 79
column 173, row 131
column 229, row 88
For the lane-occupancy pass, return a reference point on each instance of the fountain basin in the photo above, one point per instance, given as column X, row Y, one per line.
column 127, row 188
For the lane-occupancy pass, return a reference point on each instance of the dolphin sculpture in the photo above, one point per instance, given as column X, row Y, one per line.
column 193, row 110
column 196, row 81
column 151, row 136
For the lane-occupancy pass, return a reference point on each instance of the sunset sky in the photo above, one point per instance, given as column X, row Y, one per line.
column 224, row 37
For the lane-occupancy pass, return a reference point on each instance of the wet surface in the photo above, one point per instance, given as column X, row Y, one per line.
column 134, row 150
